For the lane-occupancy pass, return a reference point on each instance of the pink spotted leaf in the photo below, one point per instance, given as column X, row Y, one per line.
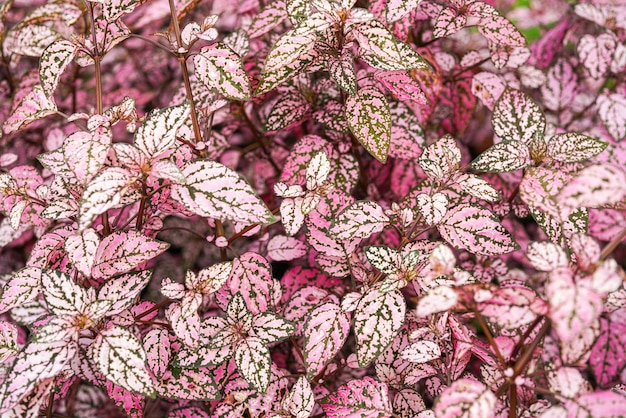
column 325, row 332
column 466, row 398
column 271, row 16
column 121, row 252
column 8, row 341
column 270, row 328
column 359, row 220
column 560, row 87
column 156, row 343
column 572, row 147
column 212, row 278
column 81, row 250
column 608, row 352
column 606, row 404
column 292, row 214
column 377, row 319
column 85, row 152
column 439, row 299
column 369, row 119
column 186, row 323
column 23, row 286
column 123, row 290
column 113, row 10
column 63, row 295
column 252, row 276
column 300, row 401
column 359, row 398
column 448, row 22
column 120, row 356
column 158, row 133
column 432, row 208
column 397, row 9
column 385, row 259
column 221, row 70
column 290, row 108
column 440, row 159
column 503, row 157
column 512, row 306
column 516, row 117
column 55, row 59
column 612, row 111
column 477, row 230
column 539, row 188
column 216, row 191
column 596, row 53
column 546, row 256
column 421, row 352
column 488, row 87
column 34, row 106
column 499, row 30
column 341, row 70
column 477, row 187
column 252, row 357
column 283, row 248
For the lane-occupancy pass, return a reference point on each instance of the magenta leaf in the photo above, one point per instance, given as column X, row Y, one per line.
column 23, row 286
column 36, row 362
column 158, row 133
column 573, row 147
column 221, row 70
column 252, row 276
column 120, row 356
column 608, row 352
column 105, row 191
column 359, row 220
column 81, row 250
column 252, row 357
column 516, row 117
column 34, row 106
column 369, row 119
column 612, row 111
column 290, row 108
column 300, row 401
column 466, row 398
column 359, row 398
column 121, row 252
column 477, row 230
column 123, row 290
column 54, row 60
column 325, row 332
column 216, row 191
column 377, row 320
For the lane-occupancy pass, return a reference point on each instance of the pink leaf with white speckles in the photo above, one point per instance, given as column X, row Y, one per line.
column 104, row 192
column 477, row 230
column 341, row 70
column 23, row 286
column 270, row 328
column 448, row 22
column 488, row 87
column 123, row 290
column 596, row 53
column 421, row 352
column 593, row 187
column 503, row 157
column 252, row 276
column 612, row 111
column 439, row 299
column 252, row 357
column 512, row 306
column 271, row 16
column 402, row 85
column 221, row 70
column 216, row 191
column 499, row 30
column 432, row 208
column 560, row 87
column 158, row 133
column 33, row 106
column 440, row 159
column 291, row 214
column 359, row 398
column 81, row 250
column 601, row 404
column 289, row 109
column 54, row 60
column 377, row 320
column 546, row 256
column 397, row 9
column 158, row 351
column 517, row 117
column 466, row 398
column 282, row 248
column 369, row 119
column 359, row 220
column 325, row 332
column 121, row 252
column 85, row 152
column 572, row 147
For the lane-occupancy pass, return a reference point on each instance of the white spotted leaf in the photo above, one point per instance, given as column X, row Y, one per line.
column 421, row 352
column 63, row 295
column 546, row 256
column 34, row 106
column 214, row 190
column 221, row 70
column 385, row 259
column 252, row 357
column 158, row 133
column 432, row 208
column 81, row 250
column 120, row 356
column 466, row 398
column 572, row 147
column 503, row 157
column 359, row 220
column 54, row 60
column 359, row 398
column 369, row 119
column 325, row 332
column 289, row 109
column 283, row 248
column 156, row 344
column 476, row 230
column 317, row 171
column 300, row 401
column 516, row 117
column 440, row 159
column 397, row 9
column 23, row 286
column 377, row 320
column 123, row 290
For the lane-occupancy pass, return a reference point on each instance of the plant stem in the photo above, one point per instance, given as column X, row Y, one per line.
column 155, row 308
column 219, row 231
column 489, row 336
column 611, row 246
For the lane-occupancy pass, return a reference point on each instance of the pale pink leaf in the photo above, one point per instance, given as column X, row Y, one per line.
column 567, row 381
column 211, row 279
column 317, row 171
column 54, row 60
column 251, row 275
column 112, row 10
column 325, row 332
column 448, row 22
column 271, row 16
column 440, row 159
column 600, row 404
column 539, row 186
column 15, row 216
column 503, row 157
column 397, row 9
column 608, row 352
column 512, row 306
column 596, row 53
column 477, row 187
column 405, row 144
column 341, row 70
column 290, row 108
column 488, row 87
column 560, row 87
column 612, row 111
column 380, row 49
column 517, row 117
column 408, row 403
column 63, row 295
column 104, row 192
column 432, row 208
column 31, row 404
column 607, row 277
column 221, row 70
column 23, row 286
column 477, row 230
column 439, row 299
column 252, row 357
column 572, row 147
column 121, row 252
column 81, row 250
column 35, row 363
column 168, row 170
column 85, row 152
column 593, row 187
column 31, row 40
column 34, row 106
column 158, row 133
column 466, row 398
column 158, row 351
column 291, row 215
column 186, row 386
column 359, row 220
column 421, row 352
column 377, row 320
column 120, row 356
column 499, row 30
column 369, row 119
column 123, row 290
column 546, row 256
column 359, row 398
column 385, row 259
column 8, row 341
column 300, row 401
column 270, row 328
column 283, row 248
column 574, row 307
column 216, row 191
column 283, row 190
column 186, row 324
